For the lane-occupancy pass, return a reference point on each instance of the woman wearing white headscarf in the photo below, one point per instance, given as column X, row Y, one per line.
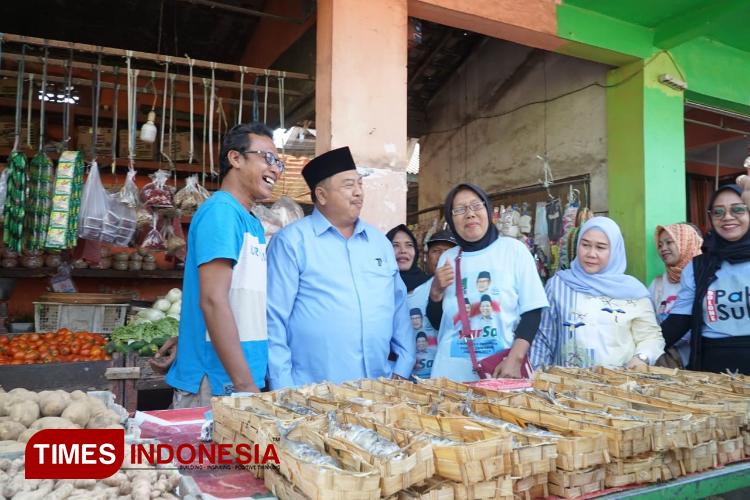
column 598, row 315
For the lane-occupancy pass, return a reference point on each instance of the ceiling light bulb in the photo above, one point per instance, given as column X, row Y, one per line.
column 148, row 130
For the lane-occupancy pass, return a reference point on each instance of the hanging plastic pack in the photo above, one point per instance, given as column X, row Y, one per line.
column 119, row 223
column 154, row 239
column 270, row 221
column 189, row 198
column 157, row 193
column 174, row 243
column 94, row 206
column 129, row 192
column 287, row 210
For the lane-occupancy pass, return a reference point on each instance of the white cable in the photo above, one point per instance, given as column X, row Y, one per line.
column 131, row 146
column 164, row 108
column 205, row 131
column 28, row 111
column 191, row 153
column 242, row 90
column 265, row 100
column 211, row 121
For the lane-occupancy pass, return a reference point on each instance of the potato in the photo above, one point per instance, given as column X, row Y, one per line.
column 53, row 423
column 10, row 430
column 26, row 435
column 52, row 404
column 24, row 412
column 4, row 399
column 20, row 394
column 96, row 406
column 76, row 395
column 78, row 412
column 104, row 420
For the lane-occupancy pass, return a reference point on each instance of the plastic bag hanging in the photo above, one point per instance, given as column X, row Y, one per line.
column 129, row 192
column 153, row 240
column 189, row 198
column 287, row 210
column 94, row 206
column 158, row 193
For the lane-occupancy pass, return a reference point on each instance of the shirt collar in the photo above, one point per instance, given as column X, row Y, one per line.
column 321, row 224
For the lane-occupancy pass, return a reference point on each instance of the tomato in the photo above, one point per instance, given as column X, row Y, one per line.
column 75, row 348
column 34, row 337
column 19, row 355
column 64, row 351
column 16, row 362
column 64, row 331
column 85, row 352
column 4, row 340
column 43, row 349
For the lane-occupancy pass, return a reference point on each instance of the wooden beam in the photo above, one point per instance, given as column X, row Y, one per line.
column 698, row 22
column 148, row 56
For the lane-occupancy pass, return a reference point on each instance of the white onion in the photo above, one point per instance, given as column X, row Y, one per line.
column 153, row 314
column 174, row 315
column 162, row 305
column 175, row 309
column 174, row 295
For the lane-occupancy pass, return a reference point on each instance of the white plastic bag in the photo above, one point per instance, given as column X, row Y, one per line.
column 94, row 206
column 191, row 196
column 129, row 192
column 287, row 210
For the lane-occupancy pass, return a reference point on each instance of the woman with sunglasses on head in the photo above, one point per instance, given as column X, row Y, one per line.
column 492, row 340
column 714, row 297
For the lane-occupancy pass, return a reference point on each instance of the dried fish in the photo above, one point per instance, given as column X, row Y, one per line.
column 285, row 403
column 367, row 439
column 443, row 441
column 309, row 453
column 361, row 401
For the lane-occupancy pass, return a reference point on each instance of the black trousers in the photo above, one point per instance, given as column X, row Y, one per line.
column 731, row 353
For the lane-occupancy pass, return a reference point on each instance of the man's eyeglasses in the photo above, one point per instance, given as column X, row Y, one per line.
column 737, row 209
column 271, row 159
column 474, row 207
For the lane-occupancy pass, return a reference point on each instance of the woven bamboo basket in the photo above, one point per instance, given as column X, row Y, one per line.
column 531, row 454
column 447, row 388
column 576, row 448
column 625, row 437
column 325, row 397
column 672, row 429
column 432, row 489
column 407, row 392
column 281, row 488
column 395, row 475
column 500, row 488
column 731, row 450
column 249, row 420
column 634, row 471
column 483, row 455
column 528, row 488
column 576, row 484
column 696, row 459
column 355, row 480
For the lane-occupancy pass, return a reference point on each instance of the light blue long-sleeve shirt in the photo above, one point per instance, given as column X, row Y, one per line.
column 336, row 306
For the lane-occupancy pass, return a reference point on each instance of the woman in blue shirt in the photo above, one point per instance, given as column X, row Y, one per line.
column 714, row 297
column 487, row 268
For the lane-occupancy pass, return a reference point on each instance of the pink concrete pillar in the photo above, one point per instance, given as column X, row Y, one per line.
column 360, row 96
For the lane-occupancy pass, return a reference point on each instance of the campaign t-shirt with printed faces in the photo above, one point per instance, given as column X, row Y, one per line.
column 223, row 229
column 500, row 283
column 425, row 335
column 726, row 306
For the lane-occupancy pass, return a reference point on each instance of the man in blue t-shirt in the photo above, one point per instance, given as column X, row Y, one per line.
column 223, row 342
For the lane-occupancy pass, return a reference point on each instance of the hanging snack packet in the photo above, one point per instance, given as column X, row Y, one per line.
column 191, row 196
column 157, row 193
column 153, row 240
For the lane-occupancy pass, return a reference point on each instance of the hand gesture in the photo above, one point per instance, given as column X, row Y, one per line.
column 443, row 278
column 164, row 357
column 744, row 182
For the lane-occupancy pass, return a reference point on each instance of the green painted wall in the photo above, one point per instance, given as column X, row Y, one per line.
column 646, row 158
column 645, row 119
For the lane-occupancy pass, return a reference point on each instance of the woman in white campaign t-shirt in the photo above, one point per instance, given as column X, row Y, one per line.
column 502, row 293
column 677, row 245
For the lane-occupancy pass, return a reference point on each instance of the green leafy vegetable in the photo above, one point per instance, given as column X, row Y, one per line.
column 144, row 337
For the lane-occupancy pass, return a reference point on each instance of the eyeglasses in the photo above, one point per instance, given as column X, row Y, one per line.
column 737, row 209
column 474, row 207
column 271, row 159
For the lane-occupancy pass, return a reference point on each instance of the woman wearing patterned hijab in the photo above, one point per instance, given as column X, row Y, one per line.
column 598, row 315
column 677, row 245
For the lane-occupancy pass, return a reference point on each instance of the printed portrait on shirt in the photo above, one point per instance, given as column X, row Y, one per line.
column 484, row 280
column 416, row 319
